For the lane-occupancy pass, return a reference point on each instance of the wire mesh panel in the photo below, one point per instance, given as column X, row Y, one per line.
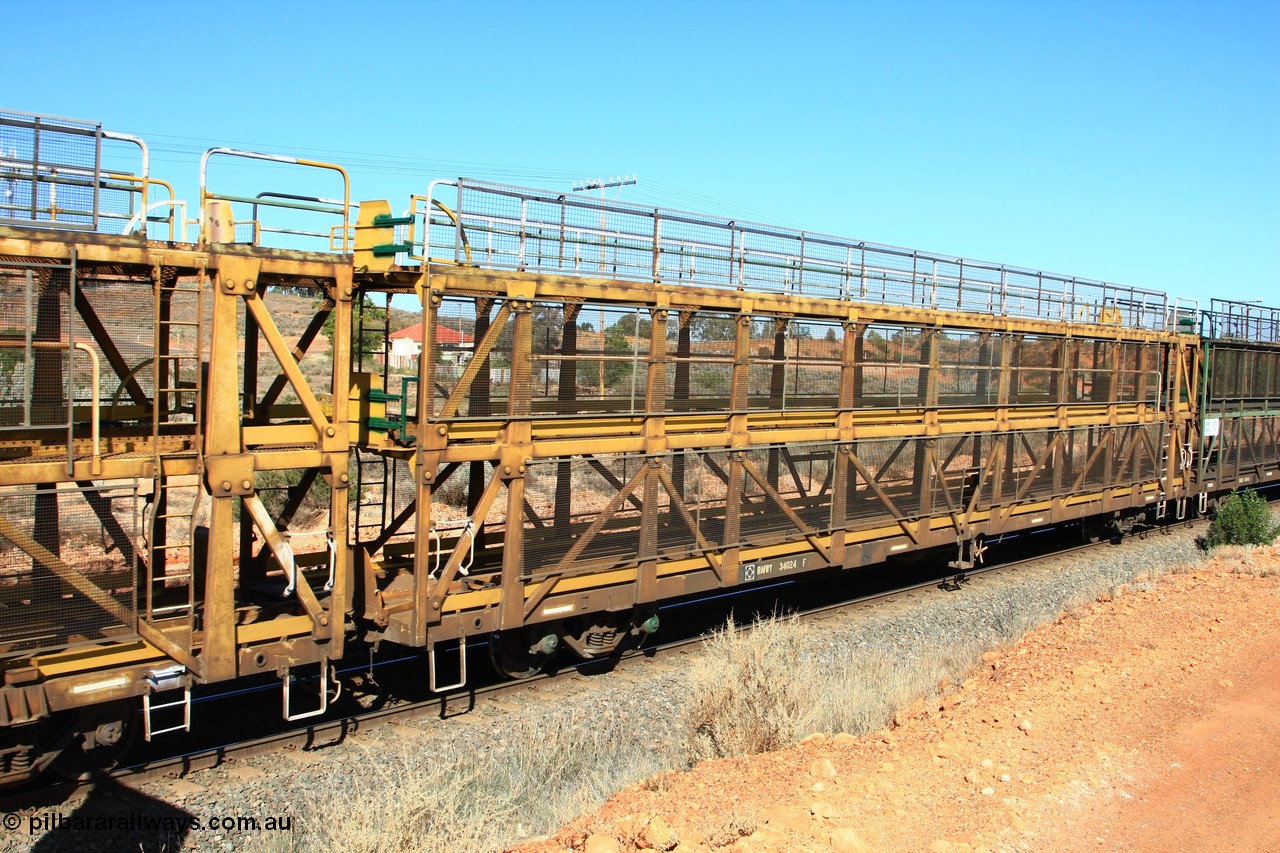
column 516, row 228
column 793, row 364
column 702, row 482
column 65, row 173
column 884, row 484
column 35, row 345
column 68, row 566
column 959, row 461
column 1242, row 377
column 1245, row 444
column 124, row 307
column 700, row 369
column 589, row 512
column 462, row 325
column 1028, row 469
column 574, row 516
column 968, row 368
column 798, row 482
column 1035, row 370
column 449, row 495
column 890, row 367
column 1086, row 456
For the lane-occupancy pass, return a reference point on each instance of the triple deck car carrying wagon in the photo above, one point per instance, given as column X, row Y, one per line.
column 604, row 406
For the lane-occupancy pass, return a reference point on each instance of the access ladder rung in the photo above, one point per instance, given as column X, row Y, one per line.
column 183, row 609
column 167, row 682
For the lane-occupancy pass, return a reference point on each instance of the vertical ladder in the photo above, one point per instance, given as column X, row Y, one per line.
column 177, row 400
column 372, row 472
column 367, row 326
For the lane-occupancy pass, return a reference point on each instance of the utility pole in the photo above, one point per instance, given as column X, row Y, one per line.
column 602, row 185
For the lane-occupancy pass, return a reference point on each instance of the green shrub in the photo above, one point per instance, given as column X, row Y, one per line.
column 1243, row 519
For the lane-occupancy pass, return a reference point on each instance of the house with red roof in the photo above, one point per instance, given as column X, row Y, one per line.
column 406, row 344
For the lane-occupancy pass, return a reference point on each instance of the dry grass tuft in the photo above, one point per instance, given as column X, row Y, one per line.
column 1258, row 560
column 544, row 773
column 741, row 821
column 764, row 689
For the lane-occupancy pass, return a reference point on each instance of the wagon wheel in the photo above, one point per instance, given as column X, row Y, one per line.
column 1095, row 528
column 95, row 738
column 524, row 652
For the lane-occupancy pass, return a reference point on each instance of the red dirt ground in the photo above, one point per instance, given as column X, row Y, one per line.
column 1141, row 723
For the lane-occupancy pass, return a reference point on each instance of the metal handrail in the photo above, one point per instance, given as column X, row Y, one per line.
column 96, row 373
column 1228, row 319
column 537, row 229
column 343, row 208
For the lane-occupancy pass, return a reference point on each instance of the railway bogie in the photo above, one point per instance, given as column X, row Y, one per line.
column 219, row 460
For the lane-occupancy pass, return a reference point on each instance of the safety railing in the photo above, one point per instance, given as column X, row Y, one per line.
column 504, row 227
column 64, row 173
column 1184, row 315
column 1241, row 321
column 338, row 237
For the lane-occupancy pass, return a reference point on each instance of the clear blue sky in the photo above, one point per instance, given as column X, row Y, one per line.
column 1133, row 142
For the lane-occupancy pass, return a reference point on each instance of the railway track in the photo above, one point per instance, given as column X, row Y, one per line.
column 322, row 733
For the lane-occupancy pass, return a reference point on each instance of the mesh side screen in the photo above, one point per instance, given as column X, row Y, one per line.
column 455, row 343
column 89, row 533
column 703, row 379
column 1084, row 457
column 1244, row 442
column 1268, row 439
column 565, row 497
column 125, row 308
column 797, row 369
column 1096, row 382
column 1229, row 443
column 798, row 475
column 891, row 366
column 460, row 330
column 1149, row 466
column 1237, row 374
column 1023, row 450
column 585, row 488
column 17, row 319
column 611, row 364
column 704, row 485
column 47, row 389
column 960, row 459
column 891, row 462
column 449, row 496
